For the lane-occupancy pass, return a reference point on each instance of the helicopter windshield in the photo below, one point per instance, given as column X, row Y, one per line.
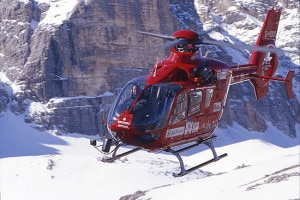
column 126, row 98
column 152, row 107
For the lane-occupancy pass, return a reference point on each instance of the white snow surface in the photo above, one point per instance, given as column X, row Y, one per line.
column 59, row 10
column 54, row 12
column 39, row 165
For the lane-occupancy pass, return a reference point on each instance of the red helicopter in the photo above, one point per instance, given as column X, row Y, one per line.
column 178, row 106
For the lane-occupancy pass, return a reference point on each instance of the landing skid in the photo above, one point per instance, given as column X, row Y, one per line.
column 208, row 142
column 105, row 149
column 115, row 157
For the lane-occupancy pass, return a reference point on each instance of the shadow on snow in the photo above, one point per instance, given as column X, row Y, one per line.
column 19, row 139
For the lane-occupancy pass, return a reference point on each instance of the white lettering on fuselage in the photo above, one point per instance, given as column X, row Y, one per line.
column 195, row 127
column 175, row 132
column 123, row 126
column 122, row 122
column 190, row 127
column 270, row 34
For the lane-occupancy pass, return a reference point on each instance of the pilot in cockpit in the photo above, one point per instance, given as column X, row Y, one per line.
column 186, row 48
column 135, row 90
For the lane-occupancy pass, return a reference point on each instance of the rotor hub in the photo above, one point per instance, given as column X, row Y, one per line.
column 186, row 34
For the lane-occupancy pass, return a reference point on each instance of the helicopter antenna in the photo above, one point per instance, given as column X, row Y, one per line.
column 207, row 52
column 155, row 67
column 239, row 63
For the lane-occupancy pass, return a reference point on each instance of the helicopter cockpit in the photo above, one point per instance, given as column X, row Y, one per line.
column 126, row 97
column 186, row 48
column 153, row 106
column 149, row 107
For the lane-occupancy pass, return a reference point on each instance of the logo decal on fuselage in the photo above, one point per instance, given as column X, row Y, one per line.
column 175, row 132
column 190, row 127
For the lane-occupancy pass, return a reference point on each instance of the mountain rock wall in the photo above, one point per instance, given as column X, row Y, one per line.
column 93, row 51
column 4, row 98
column 74, row 58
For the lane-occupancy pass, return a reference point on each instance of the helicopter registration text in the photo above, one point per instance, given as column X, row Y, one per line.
column 270, row 34
column 175, row 132
column 190, row 127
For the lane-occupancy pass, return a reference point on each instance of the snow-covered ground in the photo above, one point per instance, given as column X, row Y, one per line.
column 40, row 165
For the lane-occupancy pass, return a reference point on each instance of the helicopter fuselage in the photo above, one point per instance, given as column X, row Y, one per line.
column 181, row 101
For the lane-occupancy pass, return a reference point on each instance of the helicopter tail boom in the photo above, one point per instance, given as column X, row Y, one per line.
column 262, row 65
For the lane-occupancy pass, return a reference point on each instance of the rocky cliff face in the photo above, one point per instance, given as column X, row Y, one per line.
column 74, row 58
column 92, row 48
column 4, row 98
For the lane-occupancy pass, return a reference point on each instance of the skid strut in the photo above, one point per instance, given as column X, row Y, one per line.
column 107, row 143
column 208, row 142
column 105, row 149
column 115, row 157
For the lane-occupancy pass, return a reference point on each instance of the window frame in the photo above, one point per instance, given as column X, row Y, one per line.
column 195, row 102
column 179, row 112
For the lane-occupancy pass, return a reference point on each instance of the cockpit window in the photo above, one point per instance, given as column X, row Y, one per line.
column 126, row 97
column 152, row 108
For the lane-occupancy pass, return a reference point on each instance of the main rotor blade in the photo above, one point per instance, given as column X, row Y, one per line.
column 217, row 43
column 178, row 41
column 168, row 37
column 245, row 46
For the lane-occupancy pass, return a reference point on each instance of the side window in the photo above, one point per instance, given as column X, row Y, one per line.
column 179, row 111
column 208, row 96
column 195, row 99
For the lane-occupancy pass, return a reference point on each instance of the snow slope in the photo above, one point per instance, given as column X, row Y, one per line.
column 40, row 165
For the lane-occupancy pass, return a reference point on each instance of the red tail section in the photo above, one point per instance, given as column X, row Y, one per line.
column 288, row 83
column 262, row 65
column 265, row 62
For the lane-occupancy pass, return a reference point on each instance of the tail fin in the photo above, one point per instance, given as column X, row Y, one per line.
column 267, row 35
column 263, row 63
column 288, row 83
column 266, row 62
